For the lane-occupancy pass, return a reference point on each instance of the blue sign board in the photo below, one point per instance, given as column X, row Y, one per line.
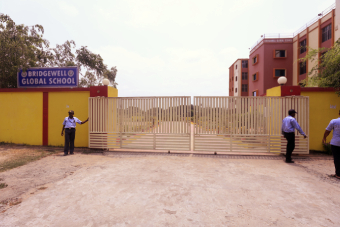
column 49, row 77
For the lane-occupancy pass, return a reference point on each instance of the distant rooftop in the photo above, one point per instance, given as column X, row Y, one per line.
column 291, row 35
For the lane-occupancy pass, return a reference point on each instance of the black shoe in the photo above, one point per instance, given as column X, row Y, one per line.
column 289, row 161
column 71, row 153
column 65, row 154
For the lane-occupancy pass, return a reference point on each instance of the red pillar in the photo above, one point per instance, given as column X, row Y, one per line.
column 45, row 119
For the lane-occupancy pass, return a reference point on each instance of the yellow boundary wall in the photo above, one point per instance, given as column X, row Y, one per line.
column 23, row 113
column 323, row 107
column 21, row 117
column 59, row 105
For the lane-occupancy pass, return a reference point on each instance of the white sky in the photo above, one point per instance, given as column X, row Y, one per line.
column 165, row 47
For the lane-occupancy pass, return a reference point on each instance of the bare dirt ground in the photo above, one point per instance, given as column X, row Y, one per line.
column 127, row 189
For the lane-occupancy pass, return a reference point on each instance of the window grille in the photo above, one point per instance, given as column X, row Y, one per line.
column 327, row 33
column 302, row 68
column 244, row 64
column 303, row 46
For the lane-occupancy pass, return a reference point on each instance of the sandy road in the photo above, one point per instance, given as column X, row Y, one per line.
column 171, row 190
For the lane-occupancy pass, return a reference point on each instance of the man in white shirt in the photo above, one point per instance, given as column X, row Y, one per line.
column 69, row 125
column 335, row 143
column 289, row 124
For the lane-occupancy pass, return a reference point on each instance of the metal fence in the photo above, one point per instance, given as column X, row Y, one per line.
column 247, row 124
column 140, row 123
column 236, row 124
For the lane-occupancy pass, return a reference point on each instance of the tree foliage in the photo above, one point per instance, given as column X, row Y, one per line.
column 327, row 72
column 20, row 47
column 23, row 47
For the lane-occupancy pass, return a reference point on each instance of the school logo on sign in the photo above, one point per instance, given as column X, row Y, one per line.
column 70, row 73
column 49, row 77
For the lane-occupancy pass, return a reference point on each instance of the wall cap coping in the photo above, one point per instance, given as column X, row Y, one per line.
column 317, row 89
column 47, row 89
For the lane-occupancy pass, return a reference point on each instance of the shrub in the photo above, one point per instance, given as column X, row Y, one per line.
column 327, row 148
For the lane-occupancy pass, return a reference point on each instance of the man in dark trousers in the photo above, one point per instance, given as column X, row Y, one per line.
column 289, row 124
column 335, row 143
column 69, row 125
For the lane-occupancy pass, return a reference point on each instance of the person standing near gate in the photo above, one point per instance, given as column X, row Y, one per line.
column 289, row 124
column 335, row 143
column 69, row 125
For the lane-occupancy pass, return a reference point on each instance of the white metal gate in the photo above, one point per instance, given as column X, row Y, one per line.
column 247, row 124
column 149, row 123
column 236, row 124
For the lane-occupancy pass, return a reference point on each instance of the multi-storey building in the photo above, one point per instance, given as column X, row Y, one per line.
column 238, row 78
column 270, row 59
column 317, row 33
column 275, row 55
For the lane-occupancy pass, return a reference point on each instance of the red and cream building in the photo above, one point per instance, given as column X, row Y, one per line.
column 238, row 77
column 276, row 55
column 317, row 33
column 269, row 60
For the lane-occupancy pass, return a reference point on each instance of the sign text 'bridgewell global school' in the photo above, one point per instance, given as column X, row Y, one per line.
column 49, row 77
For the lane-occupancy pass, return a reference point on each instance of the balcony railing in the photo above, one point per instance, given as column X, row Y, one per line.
column 315, row 19
column 273, row 36
column 291, row 35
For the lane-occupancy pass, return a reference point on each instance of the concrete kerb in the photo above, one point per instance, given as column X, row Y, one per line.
column 228, row 155
column 218, row 155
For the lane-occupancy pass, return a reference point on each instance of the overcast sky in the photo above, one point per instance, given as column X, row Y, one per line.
column 166, row 47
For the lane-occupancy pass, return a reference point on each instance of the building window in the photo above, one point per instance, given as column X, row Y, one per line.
column 255, row 77
column 235, row 66
column 244, row 76
column 254, row 93
column 303, row 46
column 236, row 78
column 235, row 90
column 302, row 68
column 255, row 59
column 244, row 87
column 327, row 33
column 244, row 63
column 279, row 72
column 280, row 53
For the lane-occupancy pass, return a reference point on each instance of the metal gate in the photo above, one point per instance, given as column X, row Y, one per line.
column 247, row 124
column 215, row 124
column 149, row 123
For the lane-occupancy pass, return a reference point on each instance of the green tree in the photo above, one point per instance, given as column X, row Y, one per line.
column 327, row 72
column 23, row 47
column 20, row 47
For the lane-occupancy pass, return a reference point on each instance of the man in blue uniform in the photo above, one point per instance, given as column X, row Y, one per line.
column 335, row 143
column 69, row 125
column 289, row 124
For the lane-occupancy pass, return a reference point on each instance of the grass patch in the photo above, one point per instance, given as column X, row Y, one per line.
column 6, row 143
column 3, row 185
column 20, row 157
